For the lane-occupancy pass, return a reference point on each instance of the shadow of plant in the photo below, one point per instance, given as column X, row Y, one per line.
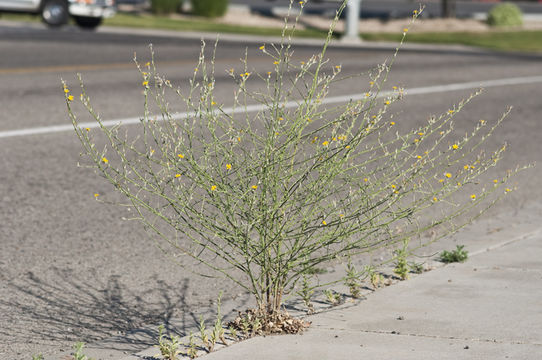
column 69, row 309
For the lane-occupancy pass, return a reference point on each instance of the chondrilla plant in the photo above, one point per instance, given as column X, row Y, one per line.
column 263, row 197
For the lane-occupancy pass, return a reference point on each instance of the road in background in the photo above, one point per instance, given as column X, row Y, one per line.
column 72, row 269
column 386, row 9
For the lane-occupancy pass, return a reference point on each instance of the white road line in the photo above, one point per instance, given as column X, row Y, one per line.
column 292, row 104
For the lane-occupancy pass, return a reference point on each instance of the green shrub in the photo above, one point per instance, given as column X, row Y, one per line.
column 505, row 14
column 457, row 255
column 165, row 6
column 283, row 182
column 209, row 8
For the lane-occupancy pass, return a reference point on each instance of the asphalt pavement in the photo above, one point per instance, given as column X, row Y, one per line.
column 73, row 269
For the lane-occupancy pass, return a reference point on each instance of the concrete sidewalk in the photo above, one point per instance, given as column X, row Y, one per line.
column 487, row 308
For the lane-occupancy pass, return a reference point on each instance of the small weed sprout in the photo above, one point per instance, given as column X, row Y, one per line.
column 401, row 266
column 352, row 279
column 78, row 351
column 457, row 255
column 415, row 268
column 233, row 333
column 374, row 277
column 192, row 347
column 37, row 357
column 334, row 298
column 169, row 348
column 260, row 197
column 203, row 333
column 218, row 328
column 306, row 293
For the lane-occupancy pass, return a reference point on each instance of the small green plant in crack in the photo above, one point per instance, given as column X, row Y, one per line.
column 374, row 277
column 203, row 333
column 415, row 268
column 401, row 265
column 457, row 255
column 192, row 347
column 334, row 298
column 37, row 357
column 233, row 333
column 169, row 348
column 306, row 293
column 352, row 279
column 78, row 351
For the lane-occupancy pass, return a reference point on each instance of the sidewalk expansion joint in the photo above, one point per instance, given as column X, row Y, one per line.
column 398, row 333
column 523, row 236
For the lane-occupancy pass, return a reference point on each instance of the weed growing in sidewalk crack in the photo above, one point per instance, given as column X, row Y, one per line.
column 457, row 255
column 169, row 348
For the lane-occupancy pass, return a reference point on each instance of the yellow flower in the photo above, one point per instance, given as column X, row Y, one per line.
column 309, row 119
column 441, row 133
column 213, row 103
column 367, row 94
column 177, row 175
column 466, row 167
column 314, row 140
column 387, row 102
column 238, row 139
column 393, row 186
column 415, row 12
column 448, row 175
column 341, row 215
column 441, row 180
column 482, row 122
column 262, row 47
column 269, row 73
column 507, row 190
column 435, row 199
column 451, row 111
column 254, row 187
column 325, row 143
column 421, row 133
column 458, row 184
column 416, row 140
column 213, row 188
column 87, row 129
column 365, row 179
column 394, row 87
column 70, row 98
column 66, row 90
column 392, row 123
column 455, row 146
column 419, row 157
column 302, row 62
column 281, row 118
column 301, row 3
column 324, row 222
column 181, row 156
column 473, row 196
column 338, row 67
column 405, row 30
column 196, row 70
column 495, row 181
column 148, row 64
column 371, row 83
column 96, row 195
column 145, row 83
column 104, row 160
column 275, row 62
column 228, row 166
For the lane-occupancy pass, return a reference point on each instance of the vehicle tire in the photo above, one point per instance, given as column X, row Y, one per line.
column 87, row 22
column 55, row 12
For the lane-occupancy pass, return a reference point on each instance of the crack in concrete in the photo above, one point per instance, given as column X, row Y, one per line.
column 397, row 333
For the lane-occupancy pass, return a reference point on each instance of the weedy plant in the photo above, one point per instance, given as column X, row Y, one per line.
column 37, row 357
column 352, row 279
column 306, row 293
column 169, row 348
column 283, row 182
column 334, row 298
column 457, row 255
column 192, row 347
column 78, row 351
column 401, row 265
